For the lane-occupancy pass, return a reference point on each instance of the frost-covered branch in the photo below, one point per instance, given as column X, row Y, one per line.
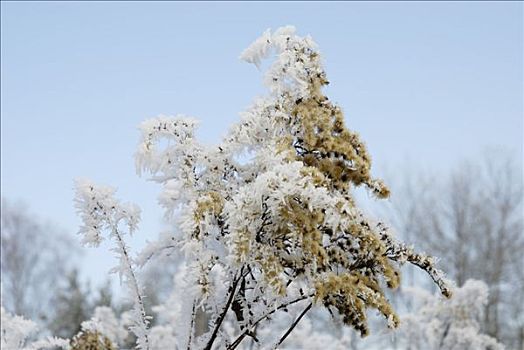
column 403, row 253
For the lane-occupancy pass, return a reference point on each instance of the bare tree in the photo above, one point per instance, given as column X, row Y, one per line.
column 34, row 261
column 472, row 220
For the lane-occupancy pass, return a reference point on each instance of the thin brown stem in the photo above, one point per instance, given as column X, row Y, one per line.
column 132, row 280
column 242, row 335
column 191, row 326
column 293, row 325
column 222, row 316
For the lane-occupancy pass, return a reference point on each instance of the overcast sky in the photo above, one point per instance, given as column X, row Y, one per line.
column 435, row 82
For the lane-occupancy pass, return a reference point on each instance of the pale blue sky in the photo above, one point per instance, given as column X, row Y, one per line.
column 435, row 82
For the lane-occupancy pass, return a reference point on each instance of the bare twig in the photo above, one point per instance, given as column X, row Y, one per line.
column 222, row 316
column 293, row 325
column 242, row 335
column 191, row 326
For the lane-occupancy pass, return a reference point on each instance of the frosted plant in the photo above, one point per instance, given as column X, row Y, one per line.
column 15, row 332
column 448, row 324
column 100, row 212
column 265, row 220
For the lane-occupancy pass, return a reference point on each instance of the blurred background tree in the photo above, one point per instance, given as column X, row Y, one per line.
column 472, row 219
column 40, row 280
column 36, row 258
column 71, row 307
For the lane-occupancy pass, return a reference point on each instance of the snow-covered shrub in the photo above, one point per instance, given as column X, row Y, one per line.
column 16, row 332
column 265, row 220
column 447, row 324
column 104, row 321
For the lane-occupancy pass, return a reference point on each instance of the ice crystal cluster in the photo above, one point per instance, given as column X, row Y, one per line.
column 265, row 220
